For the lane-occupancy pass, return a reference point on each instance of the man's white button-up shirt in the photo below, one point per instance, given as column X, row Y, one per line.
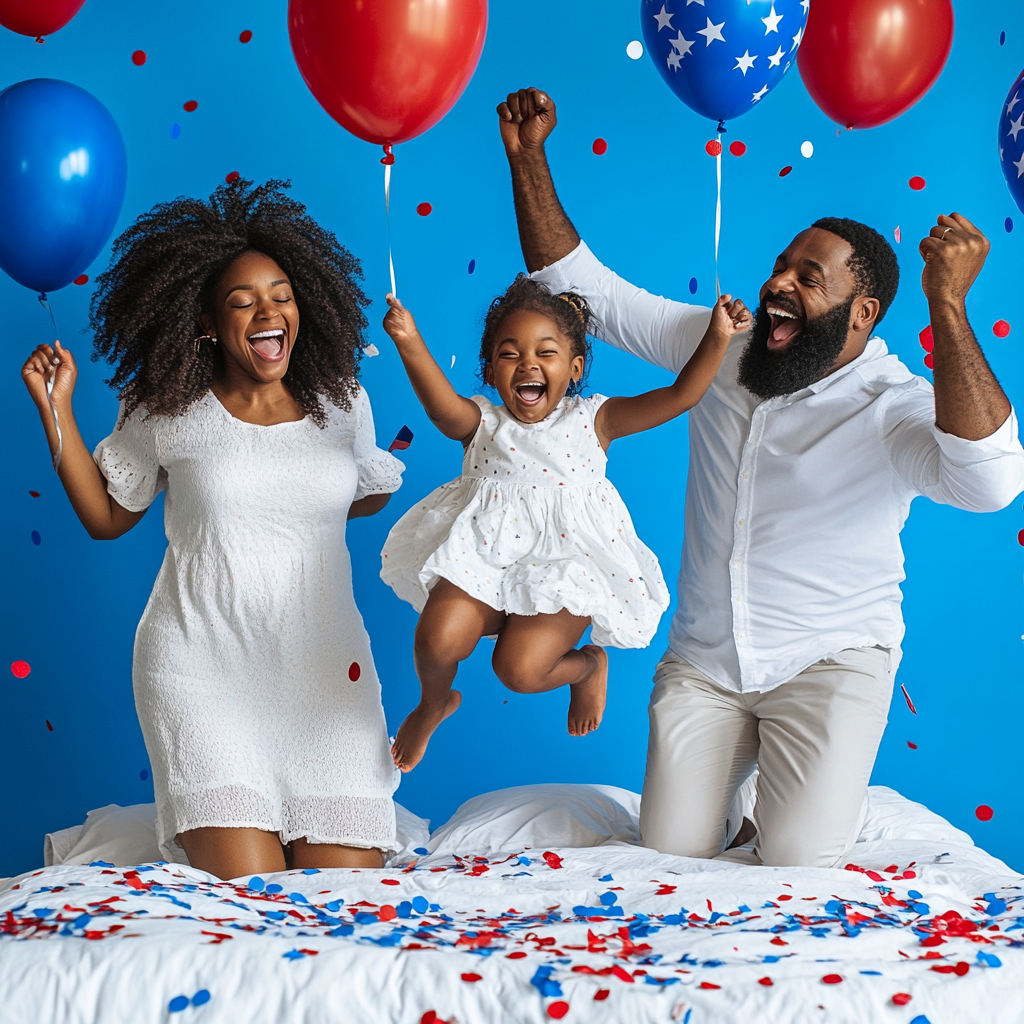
column 794, row 505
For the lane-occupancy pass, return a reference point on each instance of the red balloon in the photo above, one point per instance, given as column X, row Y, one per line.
column 865, row 62
column 37, row 17
column 387, row 70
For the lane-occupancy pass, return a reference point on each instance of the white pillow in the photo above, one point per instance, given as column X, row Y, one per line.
column 124, row 836
column 892, row 816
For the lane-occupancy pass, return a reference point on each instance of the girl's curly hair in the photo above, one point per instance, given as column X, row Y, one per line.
column 570, row 312
column 164, row 273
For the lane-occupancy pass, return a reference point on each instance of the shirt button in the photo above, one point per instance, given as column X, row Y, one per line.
column 739, row 636
column 741, row 522
column 745, row 474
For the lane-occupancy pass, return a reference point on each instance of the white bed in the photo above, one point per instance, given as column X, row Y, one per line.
column 531, row 904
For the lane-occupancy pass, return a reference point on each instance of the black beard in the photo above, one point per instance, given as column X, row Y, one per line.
column 807, row 358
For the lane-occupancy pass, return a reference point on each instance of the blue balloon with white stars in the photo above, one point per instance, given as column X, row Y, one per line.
column 722, row 57
column 1011, row 143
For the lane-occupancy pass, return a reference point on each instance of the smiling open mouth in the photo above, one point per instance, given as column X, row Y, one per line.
column 268, row 345
column 786, row 325
column 531, row 392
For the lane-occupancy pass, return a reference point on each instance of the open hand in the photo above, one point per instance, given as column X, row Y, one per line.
column 40, row 366
column 729, row 316
column 527, row 118
column 954, row 253
column 399, row 322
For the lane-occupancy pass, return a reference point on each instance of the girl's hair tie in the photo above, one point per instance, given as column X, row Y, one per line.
column 575, row 305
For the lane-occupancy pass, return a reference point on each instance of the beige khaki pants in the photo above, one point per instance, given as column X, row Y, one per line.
column 814, row 740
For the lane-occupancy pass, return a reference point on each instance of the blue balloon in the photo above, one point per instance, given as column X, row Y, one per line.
column 62, row 177
column 1011, row 143
column 722, row 57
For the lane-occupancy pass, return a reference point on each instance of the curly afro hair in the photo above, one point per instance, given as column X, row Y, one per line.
column 146, row 310
column 875, row 269
column 570, row 312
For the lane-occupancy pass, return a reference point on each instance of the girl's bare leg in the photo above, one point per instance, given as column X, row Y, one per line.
column 449, row 629
column 537, row 652
column 233, row 852
column 329, row 855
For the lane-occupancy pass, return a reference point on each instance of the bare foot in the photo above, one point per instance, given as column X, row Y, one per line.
column 586, row 705
column 415, row 732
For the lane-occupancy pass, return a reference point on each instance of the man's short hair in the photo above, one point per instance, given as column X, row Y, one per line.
column 875, row 269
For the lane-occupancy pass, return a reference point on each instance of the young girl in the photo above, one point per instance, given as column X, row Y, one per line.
column 532, row 543
column 254, row 682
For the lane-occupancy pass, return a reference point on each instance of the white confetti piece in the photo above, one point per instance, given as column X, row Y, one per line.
column 371, row 350
column 807, row 149
column 635, row 49
column 453, row 361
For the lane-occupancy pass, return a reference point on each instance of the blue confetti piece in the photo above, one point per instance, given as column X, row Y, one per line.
column 81, row 921
column 693, row 286
column 311, row 871
column 144, row 774
column 201, row 998
column 606, row 878
column 602, row 911
column 918, row 908
column 334, row 906
column 995, row 907
column 363, row 918
column 345, row 929
column 436, row 907
column 295, row 897
column 608, row 898
column 915, row 895
column 100, row 864
column 43, row 912
column 256, row 883
column 989, row 959
column 175, row 130
column 1008, row 224
column 420, row 904
column 292, row 954
column 659, row 981
column 544, row 983
column 177, row 1004
column 274, row 887
column 421, row 850
column 743, row 907
column 276, row 915
column 404, row 909
column 920, row 1019
column 772, row 959
column 36, row 539
column 472, row 266
column 877, row 974
column 1002, row 39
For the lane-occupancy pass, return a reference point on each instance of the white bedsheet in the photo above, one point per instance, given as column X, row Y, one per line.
column 609, row 933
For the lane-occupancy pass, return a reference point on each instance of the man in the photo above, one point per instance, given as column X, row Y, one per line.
column 804, row 457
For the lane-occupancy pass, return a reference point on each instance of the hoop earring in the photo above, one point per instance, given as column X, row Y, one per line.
column 197, row 344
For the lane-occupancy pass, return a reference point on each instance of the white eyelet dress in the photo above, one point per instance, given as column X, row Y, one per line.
column 532, row 526
column 254, row 682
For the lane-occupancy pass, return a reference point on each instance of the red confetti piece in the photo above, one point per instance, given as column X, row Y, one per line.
column 515, row 956
column 713, row 147
column 552, row 859
column 424, row 209
column 558, row 1010
column 1000, row 328
column 896, row 234
column 1020, row 538
column 621, row 974
column 708, row 985
column 784, row 897
column 354, row 671
column 983, row 812
column 902, row 998
column 916, row 183
column 666, row 890
column 785, row 170
column 20, row 669
column 927, row 339
column 190, row 106
column 909, row 874
column 48, row 726
column 832, row 979
column 778, row 941
column 600, row 147
column 913, row 746
column 602, row 994
column 765, row 981
column 431, row 1015
column 35, row 494
column 390, row 881
column 737, row 148
column 470, row 977
column 929, row 361
column 139, row 58
column 231, row 176
column 82, row 279
column 906, row 697
column 244, row 37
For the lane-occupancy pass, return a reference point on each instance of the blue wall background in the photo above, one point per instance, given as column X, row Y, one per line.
column 70, row 605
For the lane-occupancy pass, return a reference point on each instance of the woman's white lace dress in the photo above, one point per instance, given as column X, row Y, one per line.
column 254, row 682
column 532, row 526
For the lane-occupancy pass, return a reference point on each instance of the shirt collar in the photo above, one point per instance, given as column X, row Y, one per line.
column 874, row 349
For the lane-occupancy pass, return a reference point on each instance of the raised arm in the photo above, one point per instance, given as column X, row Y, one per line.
column 86, row 486
column 969, row 402
column 456, row 417
column 621, row 416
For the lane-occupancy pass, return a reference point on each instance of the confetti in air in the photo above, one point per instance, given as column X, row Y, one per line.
column 693, row 286
column 600, row 147
column 139, row 58
column 189, row 106
column 984, row 813
column 371, row 350
column 737, row 148
column 175, row 130
column 916, row 183
column 713, row 147
column 785, row 170
column 452, row 367
column 424, row 209
column 231, row 176
column 402, row 440
column 634, row 49
column 20, row 669
column 245, row 36
column 36, row 539
column 896, row 234
column 82, row 279
column 471, row 267
column 1000, row 328
column 807, row 150
column 906, row 697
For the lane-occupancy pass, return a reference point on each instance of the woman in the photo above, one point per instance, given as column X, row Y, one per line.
column 253, row 677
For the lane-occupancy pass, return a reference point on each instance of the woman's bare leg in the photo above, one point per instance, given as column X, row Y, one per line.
column 537, row 652
column 233, row 852
column 449, row 629
column 329, row 855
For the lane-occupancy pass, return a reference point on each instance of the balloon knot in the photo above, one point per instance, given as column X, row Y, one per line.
column 388, row 158
column 40, row 39
column 721, row 127
column 42, row 297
